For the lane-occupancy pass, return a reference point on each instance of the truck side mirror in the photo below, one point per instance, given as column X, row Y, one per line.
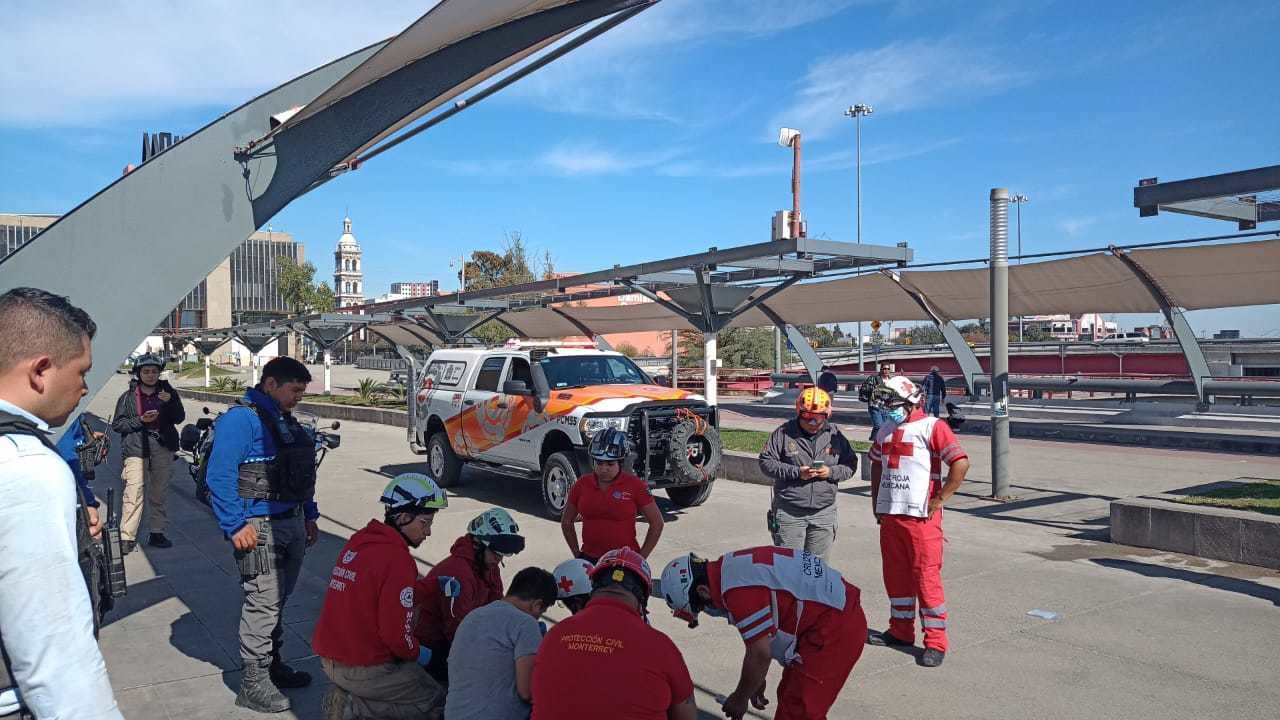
column 515, row 387
column 541, row 389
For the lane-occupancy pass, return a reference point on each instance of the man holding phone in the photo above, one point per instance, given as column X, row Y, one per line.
column 807, row 457
column 146, row 418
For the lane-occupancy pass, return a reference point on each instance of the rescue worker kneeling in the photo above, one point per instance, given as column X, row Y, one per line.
column 364, row 635
column 789, row 606
column 606, row 661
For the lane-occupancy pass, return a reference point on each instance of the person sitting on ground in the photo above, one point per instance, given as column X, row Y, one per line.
column 573, row 584
column 607, row 500
column 469, row 578
column 146, row 416
column 491, row 661
column 606, row 661
column 364, row 633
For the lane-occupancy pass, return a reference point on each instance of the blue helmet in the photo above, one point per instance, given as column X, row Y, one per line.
column 609, row 444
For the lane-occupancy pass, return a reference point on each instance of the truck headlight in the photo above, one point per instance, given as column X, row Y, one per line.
column 589, row 426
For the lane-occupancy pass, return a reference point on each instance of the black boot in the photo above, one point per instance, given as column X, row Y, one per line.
column 286, row 677
column 159, row 540
column 885, row 639
column 127, row 546
column 258, row 693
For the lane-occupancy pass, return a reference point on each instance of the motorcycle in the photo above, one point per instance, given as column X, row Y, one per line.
column 197, row 441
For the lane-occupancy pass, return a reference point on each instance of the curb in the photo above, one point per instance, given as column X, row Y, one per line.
column 1157, row 522
column 353, row 413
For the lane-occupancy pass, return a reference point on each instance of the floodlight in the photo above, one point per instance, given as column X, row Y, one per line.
column 786, row 136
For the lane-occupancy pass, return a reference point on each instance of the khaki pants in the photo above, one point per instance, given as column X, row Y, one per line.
column 391, row 691
column 152, row 476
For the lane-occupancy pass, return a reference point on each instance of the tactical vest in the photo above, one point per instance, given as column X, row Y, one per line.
column 11, row 424
column 291, row 475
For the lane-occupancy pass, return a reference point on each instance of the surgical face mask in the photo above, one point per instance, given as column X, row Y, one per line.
column 898, row 414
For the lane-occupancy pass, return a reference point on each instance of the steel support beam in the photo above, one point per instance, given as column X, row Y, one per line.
column 1147, row 198
column 799, row 343
column 691, row 318
column 596, row 338
column 960, row 349
column 1177, row 320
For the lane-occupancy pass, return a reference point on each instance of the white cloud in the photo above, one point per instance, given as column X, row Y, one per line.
column 84, row 62
column 586, row 158
column 1074, row 226
column 895, row 78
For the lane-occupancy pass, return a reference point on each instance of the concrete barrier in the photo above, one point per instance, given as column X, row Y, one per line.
column 1158, row 522
column 327, row 411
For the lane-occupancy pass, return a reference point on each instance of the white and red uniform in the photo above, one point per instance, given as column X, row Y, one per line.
column 812, row 615
column 910, row 456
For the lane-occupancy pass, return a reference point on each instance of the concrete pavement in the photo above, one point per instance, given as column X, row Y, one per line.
column 1141, row 634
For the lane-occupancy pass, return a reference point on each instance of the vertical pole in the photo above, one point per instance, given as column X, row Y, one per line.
column 328, row 374
column 675, row 358
column 206, row 371
column 857, row 121
column 795, row 186
column 253, row 363
column 1020, row 330
column 777, row 350
column 859, row 346
column 709, row 367
column 999, row 273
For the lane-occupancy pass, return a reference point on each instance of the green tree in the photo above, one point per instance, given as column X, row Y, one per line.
column 628, row 349
column 736, row 348
column 299, row 289
column 925, row 335
column 488, row 269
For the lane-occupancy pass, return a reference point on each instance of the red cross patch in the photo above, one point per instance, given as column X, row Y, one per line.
column 565, row 583
column 765, row 555
column 896, row 448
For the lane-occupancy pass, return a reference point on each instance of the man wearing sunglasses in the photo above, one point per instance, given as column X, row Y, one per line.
column 807, row 457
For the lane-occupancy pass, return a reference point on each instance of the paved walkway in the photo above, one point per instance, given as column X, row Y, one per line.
column 1142, row 634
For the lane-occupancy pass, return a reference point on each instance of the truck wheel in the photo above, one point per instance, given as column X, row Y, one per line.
column 690, row 495
column 695, row 453
column 558, row 475
column 442, row 464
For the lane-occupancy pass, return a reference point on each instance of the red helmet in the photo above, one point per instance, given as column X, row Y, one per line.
column 624, row 559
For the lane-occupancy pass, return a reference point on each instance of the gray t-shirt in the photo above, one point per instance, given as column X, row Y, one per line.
column 482, row 663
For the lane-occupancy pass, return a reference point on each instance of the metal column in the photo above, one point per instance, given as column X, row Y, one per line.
column 675, row 358
column 709, row 369
column 999, row 273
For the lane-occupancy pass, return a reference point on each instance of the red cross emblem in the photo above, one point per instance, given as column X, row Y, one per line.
column 565, row 583
column 765, row 555
column 896, row 448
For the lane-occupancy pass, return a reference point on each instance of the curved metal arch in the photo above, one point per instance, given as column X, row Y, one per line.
column 960, row 350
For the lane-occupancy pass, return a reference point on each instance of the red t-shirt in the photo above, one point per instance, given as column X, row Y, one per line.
column 369, row 608
column 751, row 613
column 605, row 662
column 609, row 514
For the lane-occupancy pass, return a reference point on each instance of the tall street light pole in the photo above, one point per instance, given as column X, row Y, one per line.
column 857, row 112
column 1018, row 201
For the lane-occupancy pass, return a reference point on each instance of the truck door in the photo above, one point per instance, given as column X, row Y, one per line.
column 484, row 414
column 520, row 446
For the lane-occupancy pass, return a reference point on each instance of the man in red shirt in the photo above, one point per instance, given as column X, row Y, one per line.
column 607, row 500
column 469, row 578
column 788, row 606
column 364, row 635
column 605, row 661
column 907, row 494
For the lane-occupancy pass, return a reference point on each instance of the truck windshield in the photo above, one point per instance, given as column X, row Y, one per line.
column 565, row 371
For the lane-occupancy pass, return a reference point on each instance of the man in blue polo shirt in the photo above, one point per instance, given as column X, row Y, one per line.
column 262, row 484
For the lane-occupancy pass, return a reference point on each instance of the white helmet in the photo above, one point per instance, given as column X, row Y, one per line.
column 573, row 577
column 898, row 391
column 677, row 588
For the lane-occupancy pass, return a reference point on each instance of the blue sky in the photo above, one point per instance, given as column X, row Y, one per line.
column 659, row 138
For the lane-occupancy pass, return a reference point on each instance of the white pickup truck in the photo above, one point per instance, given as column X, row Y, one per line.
column 532, row 412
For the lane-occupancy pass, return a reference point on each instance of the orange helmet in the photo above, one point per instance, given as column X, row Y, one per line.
column 814, row 400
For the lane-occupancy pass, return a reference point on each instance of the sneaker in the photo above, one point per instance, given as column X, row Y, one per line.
column 886, row 639
column 127, row 546
column 932, row 657
column 159, row 540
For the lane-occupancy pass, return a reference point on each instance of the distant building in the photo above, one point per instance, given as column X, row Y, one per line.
column 416, row 289
column 348, row 278
column 1068, row 327
column 17, row 230
column 1227, row 335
